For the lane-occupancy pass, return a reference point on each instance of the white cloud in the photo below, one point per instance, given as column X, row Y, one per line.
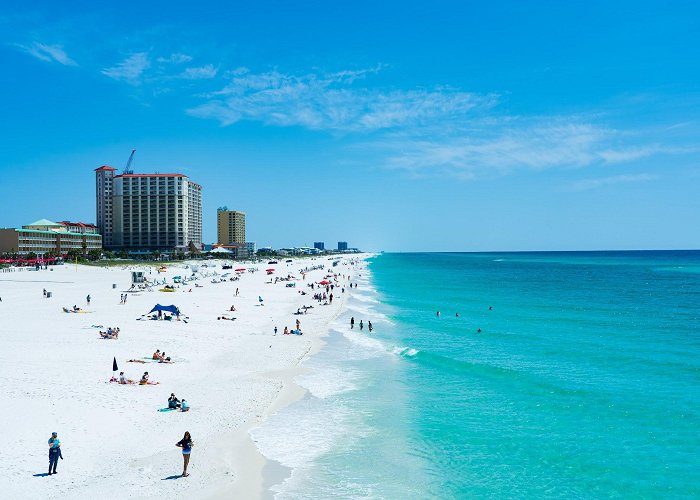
column 493, row 147
column 587, row 184
column 435, row 131
column 331, row 102
column 175, row 59
column 130, row 69
column 200, row 73
column 48, row 53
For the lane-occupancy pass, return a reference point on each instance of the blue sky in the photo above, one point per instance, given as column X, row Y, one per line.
column 398, row 126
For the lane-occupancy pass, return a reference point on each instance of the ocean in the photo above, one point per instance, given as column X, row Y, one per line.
column 546, row 375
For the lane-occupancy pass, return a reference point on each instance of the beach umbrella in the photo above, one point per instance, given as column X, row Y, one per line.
column 114, row 365
column 240, row 270
column 270, row 270
column 324, row 282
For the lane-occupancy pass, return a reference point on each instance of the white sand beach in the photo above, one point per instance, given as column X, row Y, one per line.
column 55, row 371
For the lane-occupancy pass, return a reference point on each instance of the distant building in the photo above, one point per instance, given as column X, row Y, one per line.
column 148, row 211
column 44, row 236
column 251, row 248
column 230, row 227
column 342, row 246
column 319, row 245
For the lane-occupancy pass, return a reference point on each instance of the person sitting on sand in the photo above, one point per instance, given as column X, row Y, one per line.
column 144, row 380
column 136, row 361
column 184, row 406
column 157, row 355
column 75, row 308
column 286, row 331
column 173, row 402
column 233, row 308
column 109, row 335
column 124, row 380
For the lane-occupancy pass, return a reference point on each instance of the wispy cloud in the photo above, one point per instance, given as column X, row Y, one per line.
column 131, row 69
column 176, row 58
column 587, row 184
column 200, row 73
column 421, row 131
column 48, row 53
column 330, row 101
column 499, row 147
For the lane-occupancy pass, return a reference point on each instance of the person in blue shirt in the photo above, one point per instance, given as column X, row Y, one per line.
column 173, row 402
column 184, row 405
column 54, row 452
column 186, row 444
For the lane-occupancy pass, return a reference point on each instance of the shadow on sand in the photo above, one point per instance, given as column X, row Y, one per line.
column 43, row 474
column 172, row 477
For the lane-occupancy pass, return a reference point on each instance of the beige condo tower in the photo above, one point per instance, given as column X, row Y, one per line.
column 231, row 227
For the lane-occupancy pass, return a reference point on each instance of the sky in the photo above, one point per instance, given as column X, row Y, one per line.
column 396, row 126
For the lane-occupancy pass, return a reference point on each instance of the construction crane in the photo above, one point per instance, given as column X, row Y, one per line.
column 127, row 169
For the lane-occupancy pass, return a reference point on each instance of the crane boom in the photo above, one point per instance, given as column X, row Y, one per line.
column 127, row 169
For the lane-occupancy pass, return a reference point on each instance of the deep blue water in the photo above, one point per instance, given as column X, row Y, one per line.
column 583, row 382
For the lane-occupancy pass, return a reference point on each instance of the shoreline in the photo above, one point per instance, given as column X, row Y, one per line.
column 269, row 473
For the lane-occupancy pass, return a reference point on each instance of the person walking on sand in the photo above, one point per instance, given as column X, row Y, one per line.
column 88, row 299
column 54, row 452
column 186, row 444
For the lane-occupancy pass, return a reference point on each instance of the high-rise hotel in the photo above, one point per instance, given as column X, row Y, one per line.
column 230, row 226
column 148, row 211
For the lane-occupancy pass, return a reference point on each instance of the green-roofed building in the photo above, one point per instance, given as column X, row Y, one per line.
column 44, row 236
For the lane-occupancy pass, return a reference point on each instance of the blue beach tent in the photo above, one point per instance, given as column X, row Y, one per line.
column 171, row 309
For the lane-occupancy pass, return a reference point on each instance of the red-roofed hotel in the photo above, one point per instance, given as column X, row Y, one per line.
column 148, row 211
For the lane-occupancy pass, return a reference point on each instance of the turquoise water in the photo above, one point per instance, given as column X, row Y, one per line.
column 583, row 382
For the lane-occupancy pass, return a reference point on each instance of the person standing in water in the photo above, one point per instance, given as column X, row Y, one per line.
column 361, row 325
column 369, row 326
column 352, row 322
column 186, row 444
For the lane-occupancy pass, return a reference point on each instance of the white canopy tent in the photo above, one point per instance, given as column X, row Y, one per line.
column 221, row 250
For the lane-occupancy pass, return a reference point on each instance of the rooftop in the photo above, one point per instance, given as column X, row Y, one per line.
column 45, row 222
column 150, row 175
column 76, row 224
